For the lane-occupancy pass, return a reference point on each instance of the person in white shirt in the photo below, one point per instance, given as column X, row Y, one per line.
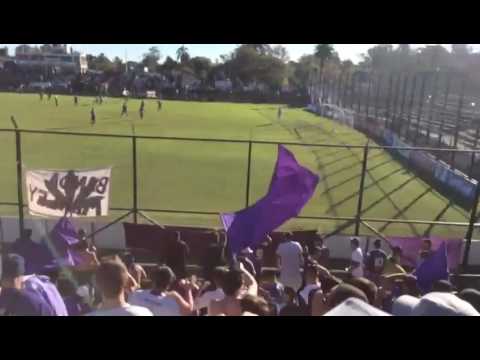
column 161, row 301
column 312, row 282
column 290, row 260
column 213, row 291
column 112, row 280
column 356, row 264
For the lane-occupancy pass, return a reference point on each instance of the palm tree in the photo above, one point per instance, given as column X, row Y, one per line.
column 182, row 54
column 323, row 52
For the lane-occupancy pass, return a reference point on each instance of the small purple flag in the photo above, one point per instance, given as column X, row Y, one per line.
column 291, row 187
column 62, row 237
column 432, row 269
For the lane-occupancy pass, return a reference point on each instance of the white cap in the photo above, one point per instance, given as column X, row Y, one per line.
column 433, row 304
column 355, row 307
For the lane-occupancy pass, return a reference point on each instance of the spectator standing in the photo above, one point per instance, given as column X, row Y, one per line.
column 176, row 257
column 425, row 251
column 392, row 264
column 290, row 259
column 312, row 285
column 161, row 301
column 14, row 299
column 213, row 291
column 112, row 280
column 375, row 262
column 237, row 283
column 356, row 263
column 136, row 270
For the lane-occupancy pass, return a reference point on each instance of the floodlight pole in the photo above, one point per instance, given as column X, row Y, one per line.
column 18, row 144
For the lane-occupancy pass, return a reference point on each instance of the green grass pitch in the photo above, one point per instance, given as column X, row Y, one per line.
column 211, row 176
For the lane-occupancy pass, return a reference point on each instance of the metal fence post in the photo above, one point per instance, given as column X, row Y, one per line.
column 432, row 105
column 393, row 117
column 359, row 92
column 459, row 118
column 420, row 108
column 135, row 188
column 360, row 195
column 387, row 105
column 247, row 195
column 367, row 105
column 410, row 106
column 402, row 106
column 18, row 143
column 377, row 95
column 469, row 234
column 352, row 88
column 444, row 110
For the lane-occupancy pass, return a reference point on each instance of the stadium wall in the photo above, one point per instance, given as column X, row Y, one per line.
column 113, row 238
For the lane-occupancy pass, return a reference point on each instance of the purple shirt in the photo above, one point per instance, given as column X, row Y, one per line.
column 15, row 302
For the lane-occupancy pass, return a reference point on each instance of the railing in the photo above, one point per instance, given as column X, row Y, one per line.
column 136, row 209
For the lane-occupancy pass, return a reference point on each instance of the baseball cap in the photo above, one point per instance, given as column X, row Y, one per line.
column 433, row 304
column 13, row 265
column 355, row 307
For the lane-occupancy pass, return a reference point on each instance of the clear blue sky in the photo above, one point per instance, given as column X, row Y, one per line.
column 213, row 51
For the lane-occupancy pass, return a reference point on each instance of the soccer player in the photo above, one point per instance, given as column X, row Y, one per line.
column 279, row 113
column 93, row 116
column 56, row 100
column 75, row 100
column 124, row 109
column 141, row 112
column 159, row 105
column 41, row 95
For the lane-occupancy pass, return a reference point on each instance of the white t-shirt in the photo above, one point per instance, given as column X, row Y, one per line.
column 204, row 300
column 159, row 305
column 290, row 256
column 307, row 289
column 357, row 256
column 125, row 310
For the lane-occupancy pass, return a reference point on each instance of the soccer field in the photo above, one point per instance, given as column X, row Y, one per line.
column 211, row 176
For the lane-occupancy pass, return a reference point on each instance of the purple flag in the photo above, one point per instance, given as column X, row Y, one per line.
column 412, row 245
column 62, row 237
column 291, row 187
column 432, row 269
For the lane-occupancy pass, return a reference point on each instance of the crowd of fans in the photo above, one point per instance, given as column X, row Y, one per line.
column 301, row 284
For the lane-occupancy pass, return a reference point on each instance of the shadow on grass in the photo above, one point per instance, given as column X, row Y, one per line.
column 408, row 206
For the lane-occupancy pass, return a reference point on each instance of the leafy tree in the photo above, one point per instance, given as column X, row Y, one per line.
column 323, row 52
column 182, row 54
column 280, row 52
column 151, row 59
column 201, row 67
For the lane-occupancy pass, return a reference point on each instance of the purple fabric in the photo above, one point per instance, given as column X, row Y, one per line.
column 434, row 268
column 36, row 255
column 412, row 245
column 62, row 237
column 291, row 187
column 48, row 291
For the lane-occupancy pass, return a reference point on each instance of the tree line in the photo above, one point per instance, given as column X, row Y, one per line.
column 271, row 65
